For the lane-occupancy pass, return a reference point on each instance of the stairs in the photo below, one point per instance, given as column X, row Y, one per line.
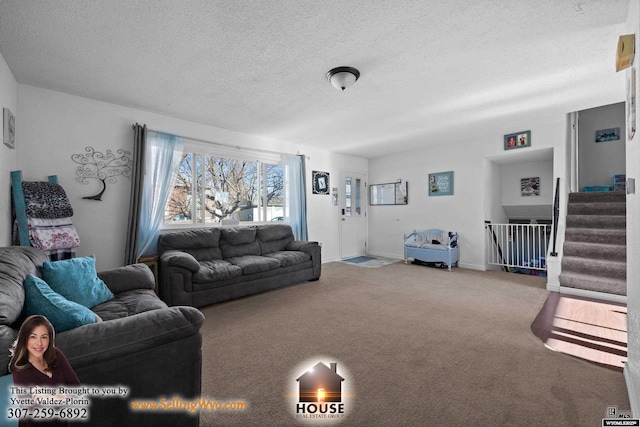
column 595, row 249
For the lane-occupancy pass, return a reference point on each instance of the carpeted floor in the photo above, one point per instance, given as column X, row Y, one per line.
column 415, row 346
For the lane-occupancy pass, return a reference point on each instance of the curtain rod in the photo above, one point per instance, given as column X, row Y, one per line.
column 237, row 147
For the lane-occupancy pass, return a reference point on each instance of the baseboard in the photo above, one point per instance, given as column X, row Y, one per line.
column 473, row 266
column 553, row 287
column 631, row 390
column 620, row 299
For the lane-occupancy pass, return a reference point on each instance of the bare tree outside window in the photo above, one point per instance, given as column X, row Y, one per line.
column 225, row 188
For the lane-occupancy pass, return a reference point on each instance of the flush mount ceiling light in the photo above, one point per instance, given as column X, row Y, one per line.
column 343, row 77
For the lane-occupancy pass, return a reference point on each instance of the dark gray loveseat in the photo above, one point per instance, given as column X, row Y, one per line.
column 140, row 343
column 207, row 266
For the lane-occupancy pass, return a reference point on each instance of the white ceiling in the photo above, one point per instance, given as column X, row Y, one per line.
column 431, row 71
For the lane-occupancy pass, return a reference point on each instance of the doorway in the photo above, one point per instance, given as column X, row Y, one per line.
column 600, row 148
column 353, row 218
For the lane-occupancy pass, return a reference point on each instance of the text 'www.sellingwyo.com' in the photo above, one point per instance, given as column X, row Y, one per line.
column 179, row 404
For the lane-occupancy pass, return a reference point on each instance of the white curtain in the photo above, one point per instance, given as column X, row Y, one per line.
column 296, row 185
column 163, row 153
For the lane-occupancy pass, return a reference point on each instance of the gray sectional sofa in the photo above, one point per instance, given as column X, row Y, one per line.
column 136, row 341
column 200, row 267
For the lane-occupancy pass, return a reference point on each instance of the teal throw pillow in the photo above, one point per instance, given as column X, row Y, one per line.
column 63, row 314
column 6, row 382
column 76, row 280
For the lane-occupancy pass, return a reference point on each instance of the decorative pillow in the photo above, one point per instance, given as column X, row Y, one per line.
column 6, row 381
column 63, row 314
column 76, row 280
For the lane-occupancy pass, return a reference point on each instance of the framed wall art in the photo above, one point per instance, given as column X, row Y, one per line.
column 9, row 128
column 441, row 184
column 605, row 135
column 320, row 182
column 631, row 103
column 530, row 186
column 517, row 140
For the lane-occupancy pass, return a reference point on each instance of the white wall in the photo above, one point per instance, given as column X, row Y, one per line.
column 632, row 370
column 493, row 207
column 598, row 162
column 512, row 174
column 53, row 126
column 8, row 99
column 475, row 181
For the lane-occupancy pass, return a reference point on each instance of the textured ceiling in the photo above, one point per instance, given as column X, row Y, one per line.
column 431, row 71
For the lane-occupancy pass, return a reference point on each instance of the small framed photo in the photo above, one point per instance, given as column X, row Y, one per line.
column 441, row 184
column 9, row 128
column 320, row 182
column 517, row 140
column 530, row 186
column 605, row 135
column 631, row 103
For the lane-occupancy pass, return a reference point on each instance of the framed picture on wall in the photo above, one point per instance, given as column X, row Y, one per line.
column 9, row 128
column 530, row 186
column 605, row 135
column 441, row 184
column 320, row 182
column 631, row 103
column 517, row 140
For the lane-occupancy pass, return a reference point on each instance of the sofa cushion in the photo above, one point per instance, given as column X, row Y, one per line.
column 252, row 264
column 239, row 241
column 287, row 258
column 202, row 244
column 274, row 237
column 216, row 270
column 77, row 280
column 238, row 235
column 129, row 303
column 7, row 337
column 15, row 263
column 61, row 312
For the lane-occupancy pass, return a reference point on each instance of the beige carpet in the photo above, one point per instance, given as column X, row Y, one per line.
column 416, row 346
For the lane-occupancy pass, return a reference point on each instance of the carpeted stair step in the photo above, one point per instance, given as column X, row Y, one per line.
column 618, row 208
column 597, row 221
column 595, row 252
column 595, row 267
column 599, row 251
column 591, row 283
column 594, row 235
column 598, row 197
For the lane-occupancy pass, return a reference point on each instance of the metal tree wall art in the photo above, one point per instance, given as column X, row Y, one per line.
column 102, row 167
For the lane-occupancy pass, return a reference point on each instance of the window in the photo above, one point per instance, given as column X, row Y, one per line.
column 210, row 188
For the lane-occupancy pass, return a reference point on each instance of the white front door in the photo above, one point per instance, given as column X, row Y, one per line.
column 353, row 221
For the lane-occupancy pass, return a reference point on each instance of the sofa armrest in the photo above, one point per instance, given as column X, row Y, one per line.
column 103, row 342
column 127, row 278
column 303, row 245
column 313, row 249
column 180, row 259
